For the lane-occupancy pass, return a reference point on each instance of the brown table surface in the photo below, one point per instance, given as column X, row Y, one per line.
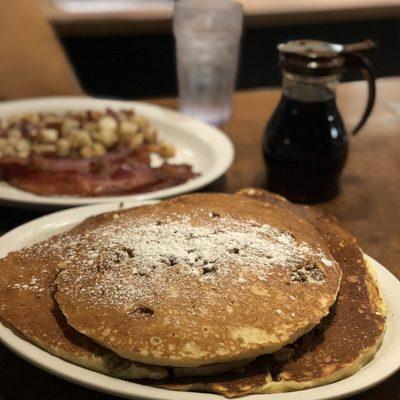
column 368, row 205
column 258, row 13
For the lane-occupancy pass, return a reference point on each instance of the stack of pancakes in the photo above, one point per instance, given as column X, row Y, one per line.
column 233, row 294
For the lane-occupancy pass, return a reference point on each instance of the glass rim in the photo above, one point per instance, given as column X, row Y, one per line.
column 226, row 16
column 217, row 5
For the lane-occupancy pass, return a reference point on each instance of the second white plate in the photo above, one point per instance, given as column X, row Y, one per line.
column 207, row 149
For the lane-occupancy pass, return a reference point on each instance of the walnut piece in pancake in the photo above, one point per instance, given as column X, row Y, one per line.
column 346, row 340
column 197, row 280
column 27, row 305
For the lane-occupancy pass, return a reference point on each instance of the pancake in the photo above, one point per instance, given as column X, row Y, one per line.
column 26, row 293
column 27, row 305
column 345, row 341
column 198, row 280
column 207, row 370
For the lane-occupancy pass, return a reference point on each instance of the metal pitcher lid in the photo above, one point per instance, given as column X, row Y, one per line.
column 315, row 57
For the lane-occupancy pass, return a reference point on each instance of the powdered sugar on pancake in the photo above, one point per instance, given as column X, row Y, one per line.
column 128, row 261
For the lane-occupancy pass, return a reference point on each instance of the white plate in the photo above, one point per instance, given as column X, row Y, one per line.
column 385, row 363
column 205, row 147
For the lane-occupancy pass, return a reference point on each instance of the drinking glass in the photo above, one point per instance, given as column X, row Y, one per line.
column 207, row 35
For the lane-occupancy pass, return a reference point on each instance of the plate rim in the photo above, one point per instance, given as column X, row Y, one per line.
column 106, row 384
column 224, row 152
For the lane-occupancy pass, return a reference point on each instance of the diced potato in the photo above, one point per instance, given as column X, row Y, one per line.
column 23, row 145
column 167, row 150
column 23, row 154
column 86, row 133
column 14, row 134
column 99, row 149
column 87, row 152
column 135, row 141
column 107, row 123
column 150, row 135
column 107, row 138
column 48, row 135
column 128, row 128
column 69, row 125
column 80, row 138
column 63, row 147
column 143, row 122
column 45, row 148
column 13, row 141
column 8, row 150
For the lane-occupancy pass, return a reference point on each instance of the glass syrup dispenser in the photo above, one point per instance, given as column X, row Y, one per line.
column 305, row 144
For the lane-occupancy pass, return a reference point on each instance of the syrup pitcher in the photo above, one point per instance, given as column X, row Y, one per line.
column 305, row 143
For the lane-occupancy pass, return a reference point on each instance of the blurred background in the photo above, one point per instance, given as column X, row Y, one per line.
column 125, row 48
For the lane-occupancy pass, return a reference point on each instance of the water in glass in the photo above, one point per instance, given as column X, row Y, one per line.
column 207, row 42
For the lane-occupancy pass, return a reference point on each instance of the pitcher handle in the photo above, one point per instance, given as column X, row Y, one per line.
column 355, row 60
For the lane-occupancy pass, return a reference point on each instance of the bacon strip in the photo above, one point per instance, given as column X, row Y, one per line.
column 119, row 172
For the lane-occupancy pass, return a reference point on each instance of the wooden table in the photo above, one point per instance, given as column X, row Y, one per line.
column 257, row 12
column 368, row 206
